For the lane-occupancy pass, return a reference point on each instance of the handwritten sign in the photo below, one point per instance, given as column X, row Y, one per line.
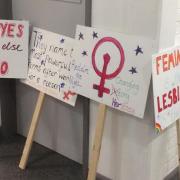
column 50, row 64
column 14, row 37
column 166, row 81
column 112, row 68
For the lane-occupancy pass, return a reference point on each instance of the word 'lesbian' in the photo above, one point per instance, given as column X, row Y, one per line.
column 168, row 99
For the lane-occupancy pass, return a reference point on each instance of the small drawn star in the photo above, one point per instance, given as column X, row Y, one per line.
column 32, row 50
column 84, row 53
column 95, row 35
column 62, row 85
column 62, row 40
column 138, row 50
column 81, row 36
column 43, row 62
column 133, row 70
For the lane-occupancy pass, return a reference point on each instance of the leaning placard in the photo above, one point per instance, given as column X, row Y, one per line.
column 14, row 36
column 166, row 81
column 49, row 64
column 112, row 68
column 49, row 72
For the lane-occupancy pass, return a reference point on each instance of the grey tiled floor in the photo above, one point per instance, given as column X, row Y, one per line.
column 43, row 164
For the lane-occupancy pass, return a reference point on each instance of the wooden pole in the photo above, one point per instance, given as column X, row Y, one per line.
column 33, row 126
column 97, row 142
column 178, row 143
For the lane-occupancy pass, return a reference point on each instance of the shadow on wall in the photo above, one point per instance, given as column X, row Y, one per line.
column 6, row 9
column 7, row 91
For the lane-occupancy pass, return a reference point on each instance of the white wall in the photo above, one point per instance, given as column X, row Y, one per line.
column 54, row 15
column 131, row 149
column 178, row 23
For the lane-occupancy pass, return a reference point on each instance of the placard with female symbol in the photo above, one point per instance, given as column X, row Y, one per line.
column 50, row 64
column 112, row 68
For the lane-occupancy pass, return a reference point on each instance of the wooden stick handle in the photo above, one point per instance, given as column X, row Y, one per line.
column 31, row 133
column 97, row 142
column 178, row 138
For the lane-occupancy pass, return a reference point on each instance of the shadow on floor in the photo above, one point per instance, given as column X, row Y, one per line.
column 174, row 175
column 43, row 164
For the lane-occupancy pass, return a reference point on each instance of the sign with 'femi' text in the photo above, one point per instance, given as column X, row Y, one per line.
column 112, row 68
column 14, row 40
column 166, row 87
column 50, row 64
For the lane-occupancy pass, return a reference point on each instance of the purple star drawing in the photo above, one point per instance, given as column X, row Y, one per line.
column 43, row 62
column 95, row 35
column 81, row 36
column 84, row 53
column 138, row 50
column 133, row 70
column 62, row 40
column 62, row 85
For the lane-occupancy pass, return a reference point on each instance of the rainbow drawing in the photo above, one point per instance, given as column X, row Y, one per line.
column 158, row 127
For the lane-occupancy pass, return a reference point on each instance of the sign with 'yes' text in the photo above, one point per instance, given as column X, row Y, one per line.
column 14, row 39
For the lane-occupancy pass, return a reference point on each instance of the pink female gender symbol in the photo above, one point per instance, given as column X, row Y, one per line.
column 106, row 57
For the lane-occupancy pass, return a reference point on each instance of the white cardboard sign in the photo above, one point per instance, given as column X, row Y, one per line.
column 14, row 42
column 112, row 68
column 50, row 64
column 166, row 81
